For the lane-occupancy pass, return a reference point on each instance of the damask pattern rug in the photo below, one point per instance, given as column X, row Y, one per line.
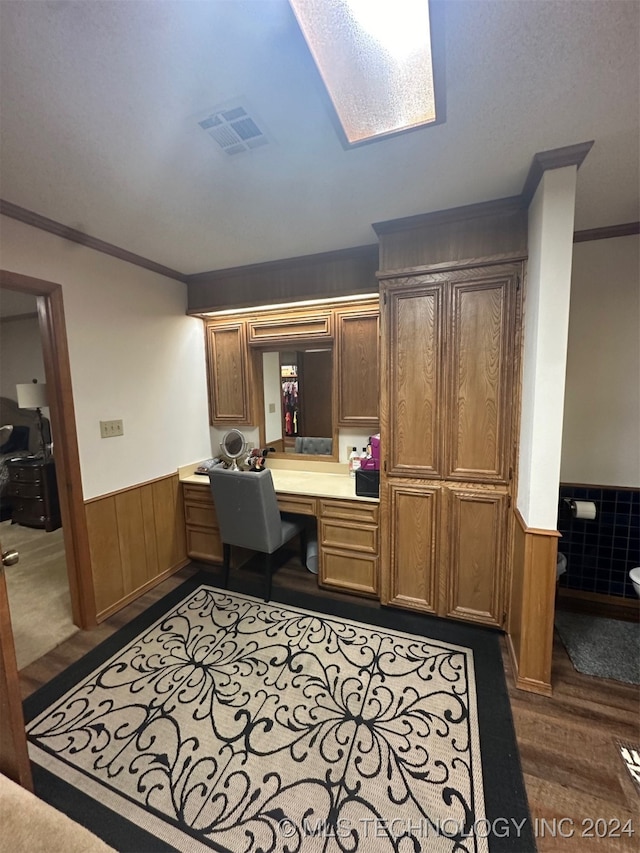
column 228, row 723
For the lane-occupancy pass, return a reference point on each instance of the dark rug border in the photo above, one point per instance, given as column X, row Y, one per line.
column 498, row 745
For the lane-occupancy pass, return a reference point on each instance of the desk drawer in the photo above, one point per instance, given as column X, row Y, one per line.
column 362, row 538
column 200, row 494
column 349, row 572
column 300, row 505
column 200, row 515
column 358, row 511
column 204, row 544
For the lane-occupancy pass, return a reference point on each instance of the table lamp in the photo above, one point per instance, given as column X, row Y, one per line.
column 32, row 395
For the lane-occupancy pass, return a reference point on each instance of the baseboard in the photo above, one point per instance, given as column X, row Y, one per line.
column 109, row 611
column 531, row 685
column 598, row 604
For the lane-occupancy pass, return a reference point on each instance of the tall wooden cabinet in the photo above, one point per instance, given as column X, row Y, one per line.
column 448, row 394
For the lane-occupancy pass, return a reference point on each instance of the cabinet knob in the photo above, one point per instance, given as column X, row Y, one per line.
column 10, row 558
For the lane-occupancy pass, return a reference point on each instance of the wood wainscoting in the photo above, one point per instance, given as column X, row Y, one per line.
column 531, row 611
column 136, row 539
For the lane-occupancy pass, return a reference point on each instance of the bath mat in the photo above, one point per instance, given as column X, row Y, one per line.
column 606, row 648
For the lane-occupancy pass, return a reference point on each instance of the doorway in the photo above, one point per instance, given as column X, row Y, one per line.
column 38, row 586
column 57, row 375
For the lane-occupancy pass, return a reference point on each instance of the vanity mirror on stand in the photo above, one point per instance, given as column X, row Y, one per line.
column 233, row 446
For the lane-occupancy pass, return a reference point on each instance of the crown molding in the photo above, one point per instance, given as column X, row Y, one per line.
column 627, row 229
column 555, row 158
column 29, row 217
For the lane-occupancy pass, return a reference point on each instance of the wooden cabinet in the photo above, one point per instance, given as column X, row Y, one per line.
column 356, row 368
column 33, row 492
column 348, row 546
column 449, row 374
column 228, row 368
column 350, row 396
column 412, row 554
column 201, row 524
column 476, row 553
column 481, row 332
column 413, row 378
column 291, row 329
column 447, row 398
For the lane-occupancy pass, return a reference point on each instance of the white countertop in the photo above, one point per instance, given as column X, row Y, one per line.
column 297, row 482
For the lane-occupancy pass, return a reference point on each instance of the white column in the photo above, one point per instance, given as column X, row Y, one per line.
column 546, row 326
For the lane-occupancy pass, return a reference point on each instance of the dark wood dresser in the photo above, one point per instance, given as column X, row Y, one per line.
column 33, row 492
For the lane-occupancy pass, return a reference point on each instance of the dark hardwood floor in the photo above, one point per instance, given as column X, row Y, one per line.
column 577, row 785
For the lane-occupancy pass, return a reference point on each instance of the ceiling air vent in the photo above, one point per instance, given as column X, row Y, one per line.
column 234, row 130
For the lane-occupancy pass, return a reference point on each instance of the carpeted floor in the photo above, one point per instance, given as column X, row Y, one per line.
column 38, row 590
column 217, row 721
column 606, row 648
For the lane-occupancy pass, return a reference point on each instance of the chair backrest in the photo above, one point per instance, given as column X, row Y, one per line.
column 308, row 444
column 247, row 508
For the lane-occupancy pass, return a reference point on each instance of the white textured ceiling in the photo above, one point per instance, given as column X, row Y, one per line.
column 100, row 100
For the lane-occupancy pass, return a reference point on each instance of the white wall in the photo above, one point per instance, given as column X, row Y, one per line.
column 546, row 322
column 20, row 354
column 134, row 355
column 601, row 436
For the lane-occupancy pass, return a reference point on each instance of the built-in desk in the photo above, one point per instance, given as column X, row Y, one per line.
column 347, row 524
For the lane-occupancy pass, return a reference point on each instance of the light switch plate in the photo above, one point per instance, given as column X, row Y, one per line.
column 109, row 429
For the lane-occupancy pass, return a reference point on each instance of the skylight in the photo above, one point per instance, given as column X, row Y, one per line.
column 374, row 57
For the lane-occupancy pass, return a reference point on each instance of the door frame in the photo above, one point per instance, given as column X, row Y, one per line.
column 14, row 753
column 57, row 371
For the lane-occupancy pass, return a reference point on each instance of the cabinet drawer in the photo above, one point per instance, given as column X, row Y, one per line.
column 349, row 572
column 350, row 510
column 204, row 544
column 362, row 538
column 289, row 328
column 25, row 473
column 25, row 490
column 200, row 494
column 299, row 505
column 200, row 515
column 29, row 510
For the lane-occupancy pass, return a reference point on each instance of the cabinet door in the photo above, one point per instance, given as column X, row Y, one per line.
column 356, row 369
column 481, row 333
column 411, row 517
column 413, row 390
column 476, row 522
column 229, row 398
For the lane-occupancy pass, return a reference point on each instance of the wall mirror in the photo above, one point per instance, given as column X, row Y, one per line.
column 298, row 402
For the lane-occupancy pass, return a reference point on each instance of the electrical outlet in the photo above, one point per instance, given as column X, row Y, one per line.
column 109, row 429
column 272, row 408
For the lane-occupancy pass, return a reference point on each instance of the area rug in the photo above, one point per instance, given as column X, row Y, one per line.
column 606, row 648
column 223, row 722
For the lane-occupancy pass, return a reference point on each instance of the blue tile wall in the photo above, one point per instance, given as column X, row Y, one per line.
column 600, row 553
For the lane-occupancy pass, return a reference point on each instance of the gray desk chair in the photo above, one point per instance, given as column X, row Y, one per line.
column 310, row 444
column 249, row 517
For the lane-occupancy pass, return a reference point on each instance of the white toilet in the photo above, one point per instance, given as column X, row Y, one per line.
column 634, row 574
